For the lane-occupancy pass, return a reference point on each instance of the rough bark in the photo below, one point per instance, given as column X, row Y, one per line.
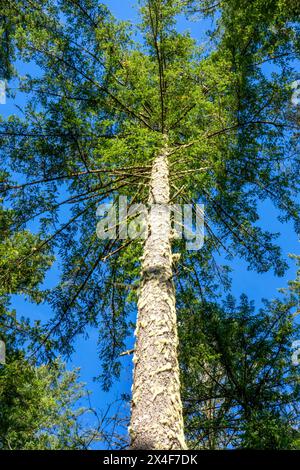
column 156, row 418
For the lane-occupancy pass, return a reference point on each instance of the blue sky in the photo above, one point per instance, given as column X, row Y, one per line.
column 256, row 286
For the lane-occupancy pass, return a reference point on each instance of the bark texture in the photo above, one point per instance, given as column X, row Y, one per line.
column 156, row 418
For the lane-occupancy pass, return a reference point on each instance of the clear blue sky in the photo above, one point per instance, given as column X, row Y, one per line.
column 254, row 285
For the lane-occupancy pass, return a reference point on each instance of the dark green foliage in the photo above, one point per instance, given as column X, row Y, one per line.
column 39, row 407
column 240, row 388
column 39, row 404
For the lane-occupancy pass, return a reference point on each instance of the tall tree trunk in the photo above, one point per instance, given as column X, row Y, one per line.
column 156, row 418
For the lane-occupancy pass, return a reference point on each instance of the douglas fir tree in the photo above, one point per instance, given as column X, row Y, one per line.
column 160, row 121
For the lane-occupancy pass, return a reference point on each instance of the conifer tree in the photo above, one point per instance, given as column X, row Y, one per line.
column 159, row 121
column 240, row 386
column 39, row 404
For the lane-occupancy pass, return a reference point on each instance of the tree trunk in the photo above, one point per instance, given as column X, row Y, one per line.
column 156, row 418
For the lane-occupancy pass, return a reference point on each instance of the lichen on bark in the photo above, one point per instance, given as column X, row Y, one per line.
column 156, row 418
